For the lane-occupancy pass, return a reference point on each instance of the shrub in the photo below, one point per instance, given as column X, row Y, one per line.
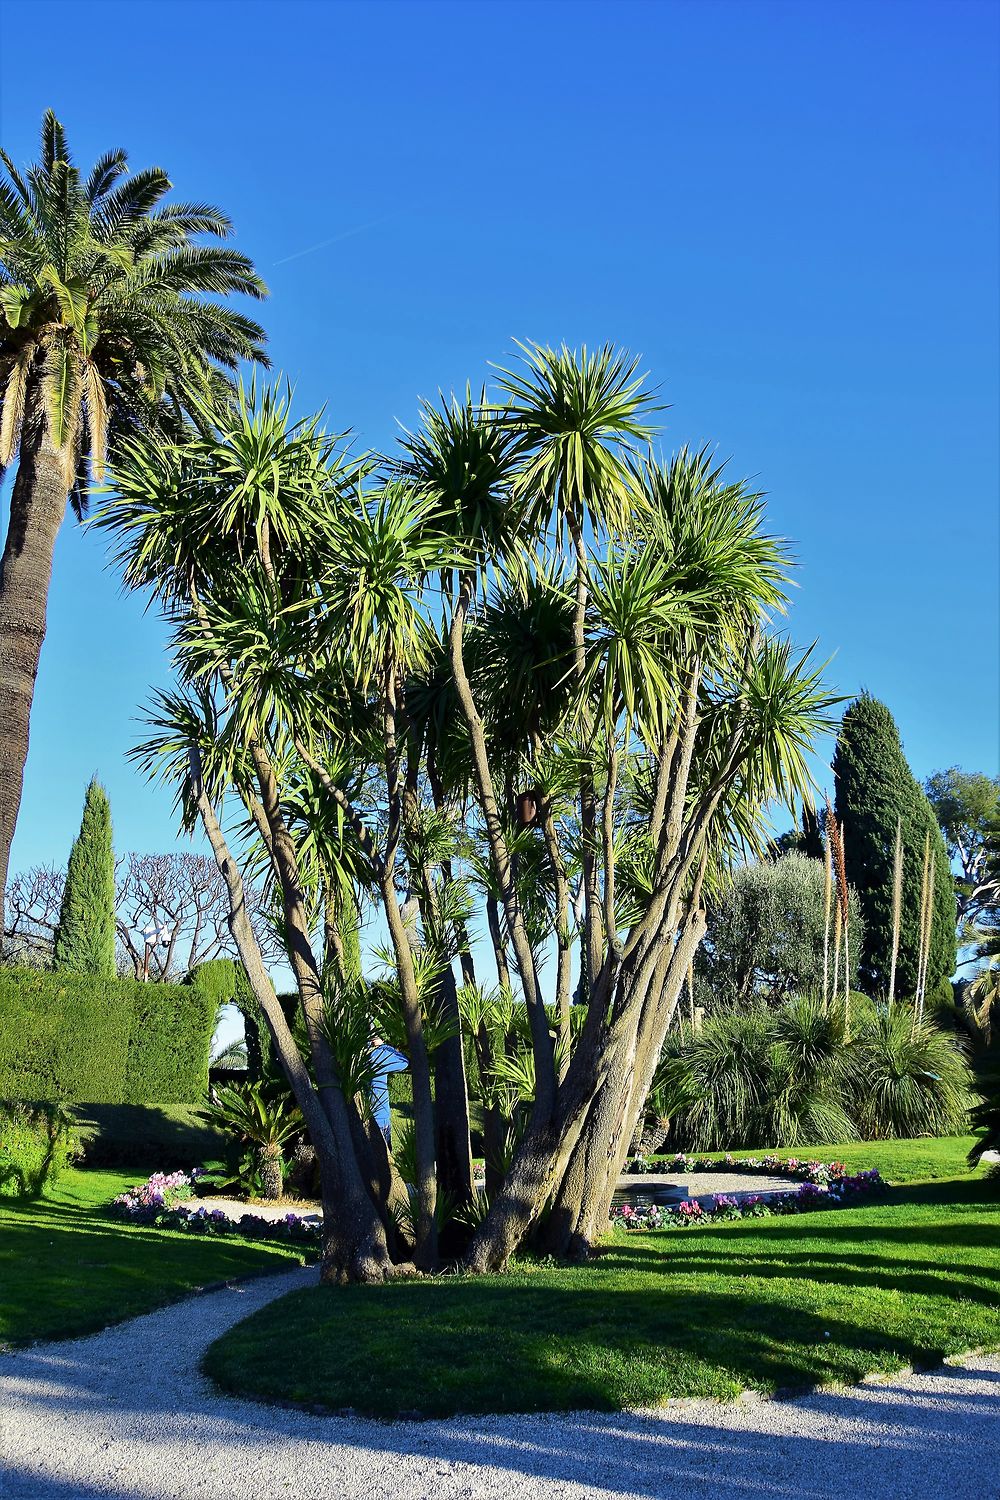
column 216, row 978
column 907, row 1080
column 875, row 790
column 986, row 1119
column 263, row 1124
column 89, row 1039
column 759, row 1077
column 85, row 936
column 37, row 1142
column 765, row 932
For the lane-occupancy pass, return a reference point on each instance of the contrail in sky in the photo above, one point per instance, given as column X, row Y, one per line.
column 335, row 240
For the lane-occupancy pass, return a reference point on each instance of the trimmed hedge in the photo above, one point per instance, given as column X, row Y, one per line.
column 156, row 1138
column 37, row 1143
column 87, row 1039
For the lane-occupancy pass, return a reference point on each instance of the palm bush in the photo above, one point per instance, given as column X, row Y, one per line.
column 807, row 1068
column 907, row 1078
column 762, row 1077
column 715, row 1083
column 262, row 1124
column 985, row 1120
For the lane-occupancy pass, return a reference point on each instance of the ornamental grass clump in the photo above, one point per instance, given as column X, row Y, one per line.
column 755, row 1077
column 762, row 1076
column 906, row 1077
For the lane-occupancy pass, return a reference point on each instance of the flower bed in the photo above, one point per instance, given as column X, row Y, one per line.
column 834, row 1189
column 820, row 1172
column 162, row 1200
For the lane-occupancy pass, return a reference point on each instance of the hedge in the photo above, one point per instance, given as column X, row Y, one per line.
column 37, row 1143
column 87, row 1039
column 153, row 1137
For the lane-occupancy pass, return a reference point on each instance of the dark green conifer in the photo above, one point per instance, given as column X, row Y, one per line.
column 85, row 937
column 874, row 788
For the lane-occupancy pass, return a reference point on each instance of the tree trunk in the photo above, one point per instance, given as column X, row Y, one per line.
column 451, row 1097
column 354, row 1241
column 37, row 507
column 583, row 1202
column 269, row 1162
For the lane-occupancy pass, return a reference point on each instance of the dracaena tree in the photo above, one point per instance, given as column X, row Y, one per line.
column 515, row 681
column 110, row 317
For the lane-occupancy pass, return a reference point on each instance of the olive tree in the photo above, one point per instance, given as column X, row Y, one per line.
column 767, row 930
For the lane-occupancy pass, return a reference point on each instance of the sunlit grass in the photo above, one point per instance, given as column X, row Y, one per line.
column 771, row 1304
column 67, row 1268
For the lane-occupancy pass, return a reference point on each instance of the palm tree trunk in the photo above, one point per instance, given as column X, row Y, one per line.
column 271, row 1180
column 37, row 507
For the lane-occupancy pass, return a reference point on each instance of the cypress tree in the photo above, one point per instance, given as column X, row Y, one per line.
column 874, row 788
column 85, row 937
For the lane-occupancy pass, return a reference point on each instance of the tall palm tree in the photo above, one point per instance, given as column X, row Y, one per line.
column 581, row 416
column 108, row 324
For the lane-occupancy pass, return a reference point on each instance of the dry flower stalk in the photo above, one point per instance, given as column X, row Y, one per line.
column 897, row 905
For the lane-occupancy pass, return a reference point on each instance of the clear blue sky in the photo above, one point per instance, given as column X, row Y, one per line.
column 790, row 210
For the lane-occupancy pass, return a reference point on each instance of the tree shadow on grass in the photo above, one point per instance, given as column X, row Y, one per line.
column 518, row 1348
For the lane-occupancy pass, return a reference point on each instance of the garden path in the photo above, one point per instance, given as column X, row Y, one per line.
column 704, row 1186
column 126, row 1415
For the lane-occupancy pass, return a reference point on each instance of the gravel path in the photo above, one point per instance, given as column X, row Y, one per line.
column 707, row 1185
column 125, row 1415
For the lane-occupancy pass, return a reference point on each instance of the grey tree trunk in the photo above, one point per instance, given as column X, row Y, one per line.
column 37, row 507
column 271, row 1181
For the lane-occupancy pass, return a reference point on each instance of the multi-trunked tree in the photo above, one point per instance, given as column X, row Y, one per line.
column 515, row 689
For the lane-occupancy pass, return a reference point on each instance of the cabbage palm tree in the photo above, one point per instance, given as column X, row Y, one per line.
column 696, row 717
column 580, row 415
column 108, row 320
column 265, row 1125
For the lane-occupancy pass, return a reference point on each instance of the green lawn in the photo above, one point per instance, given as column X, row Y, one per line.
column 771, row 1304
column 66, row 1268
column 898, row 1161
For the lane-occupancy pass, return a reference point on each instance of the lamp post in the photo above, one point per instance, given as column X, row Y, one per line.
column 151, row 936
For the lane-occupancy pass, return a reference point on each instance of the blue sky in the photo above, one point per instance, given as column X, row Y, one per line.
column 790, row 210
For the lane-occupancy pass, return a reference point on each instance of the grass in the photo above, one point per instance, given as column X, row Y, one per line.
column 67, row 1269
column 770, row 1305
column 922, row 1160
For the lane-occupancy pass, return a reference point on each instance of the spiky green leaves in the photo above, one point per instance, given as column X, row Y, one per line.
column 579, row 415
column 105, row 283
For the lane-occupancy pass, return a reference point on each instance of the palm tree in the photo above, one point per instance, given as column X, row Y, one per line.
column 265, row 1125
column 581, row 415
column 108, row 323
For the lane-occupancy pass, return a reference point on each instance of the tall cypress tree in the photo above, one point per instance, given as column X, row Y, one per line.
column 874, row 788
column 85, row 937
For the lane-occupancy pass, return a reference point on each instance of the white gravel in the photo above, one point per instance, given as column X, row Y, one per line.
column 707, row 1185
column 125, row 1414
column 700, row 1185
